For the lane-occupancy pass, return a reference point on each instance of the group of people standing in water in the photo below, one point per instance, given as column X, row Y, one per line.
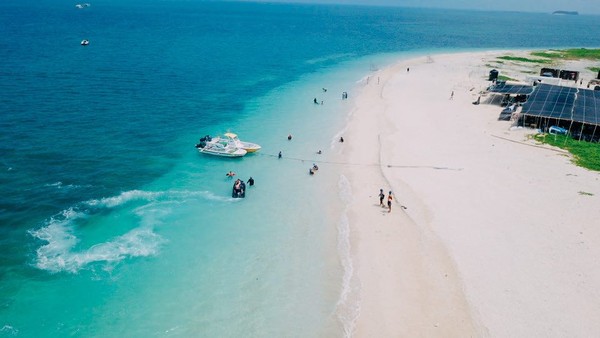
column 239, row 186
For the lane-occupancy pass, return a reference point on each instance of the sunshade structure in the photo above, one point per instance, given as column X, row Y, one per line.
column 575, row 109
column 501, row 87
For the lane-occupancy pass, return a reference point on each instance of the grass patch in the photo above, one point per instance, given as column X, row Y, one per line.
column 582, row 53
column 585, row 154
column 570, row 54
column 522, row 59
column 586, row 193
column 505, row 78
column 547, row 55
column 594, row 69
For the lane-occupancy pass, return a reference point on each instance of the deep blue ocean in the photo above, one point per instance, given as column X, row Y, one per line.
column 111, row 222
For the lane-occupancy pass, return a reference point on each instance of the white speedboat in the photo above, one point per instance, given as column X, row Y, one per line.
column 247, row 146
column 85, row 42
column 223, row 148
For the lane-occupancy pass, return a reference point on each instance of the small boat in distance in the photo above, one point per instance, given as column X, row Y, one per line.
column 85, row 42
column 81, row 6
column 565, row 13
column 247, row 146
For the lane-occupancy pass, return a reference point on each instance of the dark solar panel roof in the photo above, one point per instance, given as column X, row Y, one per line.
column 502, row 88
column 587, row 107
column 564, row 103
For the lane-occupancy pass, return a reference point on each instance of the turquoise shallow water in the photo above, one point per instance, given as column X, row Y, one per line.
column 112, row 224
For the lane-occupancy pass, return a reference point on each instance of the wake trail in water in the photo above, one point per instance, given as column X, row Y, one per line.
column 60, row 232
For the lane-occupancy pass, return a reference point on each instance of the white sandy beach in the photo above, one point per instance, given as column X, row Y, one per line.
column 500, row 236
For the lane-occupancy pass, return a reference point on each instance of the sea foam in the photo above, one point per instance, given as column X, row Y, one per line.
column 60, row 231
column 348, row 306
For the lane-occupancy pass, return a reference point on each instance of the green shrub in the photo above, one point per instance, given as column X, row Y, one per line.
column 585, row 154
column 570, row 54
column 522, row 59
column 505, row 78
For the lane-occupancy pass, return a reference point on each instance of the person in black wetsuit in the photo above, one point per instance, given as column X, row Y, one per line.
column 251, row 181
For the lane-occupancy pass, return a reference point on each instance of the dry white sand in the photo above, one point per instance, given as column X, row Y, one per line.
column 501, row 236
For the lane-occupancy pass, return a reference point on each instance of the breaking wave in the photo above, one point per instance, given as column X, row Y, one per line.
column 348, row 306
column 60, row 253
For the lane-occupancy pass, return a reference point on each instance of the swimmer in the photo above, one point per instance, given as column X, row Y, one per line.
column 230, row 174
column 315, row 167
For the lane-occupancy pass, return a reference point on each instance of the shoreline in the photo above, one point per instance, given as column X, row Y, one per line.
column 466, row 256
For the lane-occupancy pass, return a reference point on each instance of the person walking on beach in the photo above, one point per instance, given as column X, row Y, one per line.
column 390, row 201
column 452, row 95
column 381, row 197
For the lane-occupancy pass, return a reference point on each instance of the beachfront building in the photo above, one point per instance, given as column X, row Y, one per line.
column 508, row 92
column 548, row 100
column 575, row 109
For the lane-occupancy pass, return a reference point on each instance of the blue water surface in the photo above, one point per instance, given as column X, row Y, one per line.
column 111, row 223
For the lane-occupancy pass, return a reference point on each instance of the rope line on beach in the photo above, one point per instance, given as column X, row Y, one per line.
column 362, row 164
column 319, row 161
column 531, row 145
column 423, row 166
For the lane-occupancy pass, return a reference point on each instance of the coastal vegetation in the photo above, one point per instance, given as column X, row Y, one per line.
column 585, row 154
column 570, row 54
column 505, row 78
column 523, row 59
column 594, row 69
